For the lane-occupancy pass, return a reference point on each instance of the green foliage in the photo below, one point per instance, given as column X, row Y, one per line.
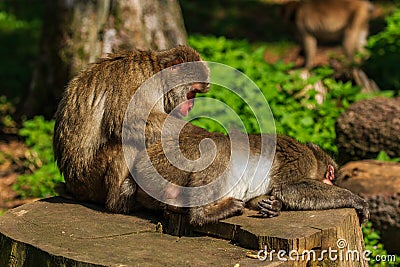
column 372, row 244
column 6, row 108
column 9, row 23
column 382, row 156
column 296, row 111
column 38, row 137
column 384, row 47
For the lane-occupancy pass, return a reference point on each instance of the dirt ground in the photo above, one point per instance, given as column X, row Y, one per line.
column 293, row 54
column 12, row 158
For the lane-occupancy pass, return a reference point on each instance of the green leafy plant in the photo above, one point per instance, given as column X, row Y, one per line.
column 382, row 156
column 8, row 22
column 7, row 123
column 43, row 174
column 384, row 59
column 295, row 110
column 378, row 256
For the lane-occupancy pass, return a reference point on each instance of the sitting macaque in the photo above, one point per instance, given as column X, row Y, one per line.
column 344, row 21
column 89, row 121
column 300, row 177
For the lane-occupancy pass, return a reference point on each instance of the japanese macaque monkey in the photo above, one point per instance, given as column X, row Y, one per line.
column 344, row 21
column 89, row 120
column 300, row 177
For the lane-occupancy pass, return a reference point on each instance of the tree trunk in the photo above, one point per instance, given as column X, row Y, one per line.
column 77, row 32
column 368, row 127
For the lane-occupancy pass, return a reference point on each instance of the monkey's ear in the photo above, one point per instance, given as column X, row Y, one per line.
column 330, row 173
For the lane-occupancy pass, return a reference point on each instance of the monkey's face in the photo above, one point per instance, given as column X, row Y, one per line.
column 192, row 78
column 180, row 100
column 187, row 75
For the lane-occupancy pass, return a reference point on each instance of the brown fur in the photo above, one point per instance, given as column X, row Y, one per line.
column 88, row 131
column 295, row 178
column 328, row 21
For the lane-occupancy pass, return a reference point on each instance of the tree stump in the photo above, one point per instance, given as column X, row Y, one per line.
column 378, row 183
column 368, row 127
column 60, row 232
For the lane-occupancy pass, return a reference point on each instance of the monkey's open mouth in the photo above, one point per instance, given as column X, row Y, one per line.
column 191, row 95
column 186, row 106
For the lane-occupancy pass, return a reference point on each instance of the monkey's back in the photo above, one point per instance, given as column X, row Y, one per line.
column 200, row 159
column 176, row 162
column 316, row 16
column 93, row 106
column 91, row 112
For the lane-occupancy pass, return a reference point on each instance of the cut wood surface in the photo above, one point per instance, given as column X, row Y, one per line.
column 60, row 232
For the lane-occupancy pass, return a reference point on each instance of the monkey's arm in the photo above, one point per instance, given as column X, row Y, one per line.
column 308, row 194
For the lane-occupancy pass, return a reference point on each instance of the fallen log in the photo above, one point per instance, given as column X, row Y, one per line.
column 368, row 127
column 379, row 183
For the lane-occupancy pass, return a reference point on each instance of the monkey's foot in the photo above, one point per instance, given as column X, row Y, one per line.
column 122, row 200
column 213, row 212
column 270, row 207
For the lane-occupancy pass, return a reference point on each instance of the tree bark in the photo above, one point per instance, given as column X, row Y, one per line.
column 77, row 32
column 368, row 127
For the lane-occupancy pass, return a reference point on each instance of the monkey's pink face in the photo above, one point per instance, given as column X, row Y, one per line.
column 188, row 104
column 329, row 175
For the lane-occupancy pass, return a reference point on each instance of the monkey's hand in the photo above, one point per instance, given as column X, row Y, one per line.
column 270, row 207
column 310, row 194
column 361, row 207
